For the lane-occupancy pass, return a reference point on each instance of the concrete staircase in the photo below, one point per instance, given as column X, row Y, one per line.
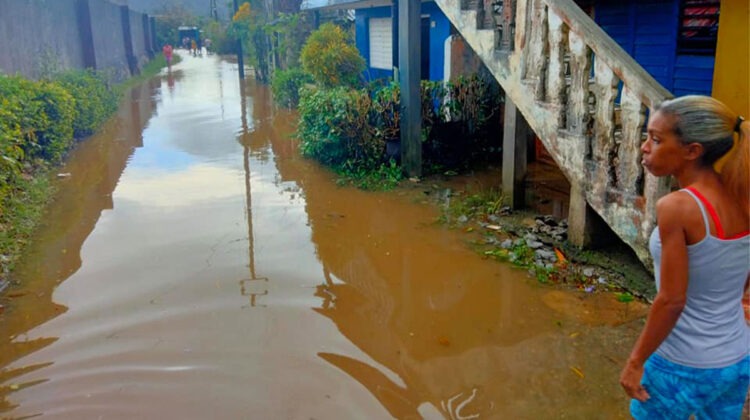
column 581, row 94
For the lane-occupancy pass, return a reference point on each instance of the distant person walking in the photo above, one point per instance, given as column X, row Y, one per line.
column 194, row 47
column 167, row 51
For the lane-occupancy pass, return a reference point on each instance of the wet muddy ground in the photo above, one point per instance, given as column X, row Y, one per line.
column 194, row 265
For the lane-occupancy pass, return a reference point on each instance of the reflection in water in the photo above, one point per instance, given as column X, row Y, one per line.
column 95, row 167
column 254, row 286
column 350, row 304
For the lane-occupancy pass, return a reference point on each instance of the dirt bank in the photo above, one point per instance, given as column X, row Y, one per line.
column 530, row 240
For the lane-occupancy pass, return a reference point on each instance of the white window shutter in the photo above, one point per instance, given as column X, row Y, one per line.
column 381, row 43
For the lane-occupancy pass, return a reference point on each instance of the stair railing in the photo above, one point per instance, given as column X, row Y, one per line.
column 583, row 95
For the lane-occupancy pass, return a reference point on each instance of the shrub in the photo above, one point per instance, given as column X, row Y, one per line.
column 337, row 129
column 44, row 115
column 331, row 59
column 11, row 141
column 286, row 85
column 95, row 101
column 386, row 102
column 59, row 107
column 347, row 129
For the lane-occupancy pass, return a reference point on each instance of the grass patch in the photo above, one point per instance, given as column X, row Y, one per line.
column 23, row 210
column 461, row 208
column 148, row 71
column 384, row 178
column 497, row 233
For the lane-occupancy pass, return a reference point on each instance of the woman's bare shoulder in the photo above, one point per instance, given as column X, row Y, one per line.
column 677, row 207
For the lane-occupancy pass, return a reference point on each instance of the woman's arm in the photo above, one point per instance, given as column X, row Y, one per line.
column 671, row 298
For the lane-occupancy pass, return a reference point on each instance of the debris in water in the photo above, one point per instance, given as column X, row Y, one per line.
column 64, row 175
column 577, row 371
column 493, row 227
column 444, row 341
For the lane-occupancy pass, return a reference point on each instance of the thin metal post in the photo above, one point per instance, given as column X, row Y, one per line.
column 240, row 58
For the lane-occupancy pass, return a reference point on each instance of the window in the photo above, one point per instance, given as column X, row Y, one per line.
column 699, row 25
column 381, row 43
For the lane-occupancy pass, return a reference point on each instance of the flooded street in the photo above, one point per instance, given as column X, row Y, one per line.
column 195, row 266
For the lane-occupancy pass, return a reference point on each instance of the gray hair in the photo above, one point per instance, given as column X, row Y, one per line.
column 703, row 120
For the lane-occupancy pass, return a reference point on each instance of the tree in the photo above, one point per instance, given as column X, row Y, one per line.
column 248, row 26
column 331, row 59
column 169, row 18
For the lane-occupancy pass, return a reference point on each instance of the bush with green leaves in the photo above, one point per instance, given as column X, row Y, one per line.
column 44, row 116
column 336, row 127
column 11, row 144
column 286, row 84
column 95, row 100
column 347, row 129
column 331, row 58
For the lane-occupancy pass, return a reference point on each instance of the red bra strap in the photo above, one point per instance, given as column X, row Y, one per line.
column 739, row 235
column 711, row 211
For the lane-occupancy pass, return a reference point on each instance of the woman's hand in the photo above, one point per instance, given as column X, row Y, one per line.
column 630, row 379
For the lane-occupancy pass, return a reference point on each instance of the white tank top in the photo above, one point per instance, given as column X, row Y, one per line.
column 711, row 331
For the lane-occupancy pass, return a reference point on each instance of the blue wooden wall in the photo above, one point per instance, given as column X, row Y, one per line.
column 439, row 32
column 647, row 30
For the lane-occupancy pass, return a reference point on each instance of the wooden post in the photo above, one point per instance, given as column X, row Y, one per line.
column 409, row 75
column 515, row 150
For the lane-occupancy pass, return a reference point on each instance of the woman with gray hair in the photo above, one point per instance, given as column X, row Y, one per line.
column 693, row 355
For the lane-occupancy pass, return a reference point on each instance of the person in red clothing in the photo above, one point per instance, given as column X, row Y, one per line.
column 167, row 51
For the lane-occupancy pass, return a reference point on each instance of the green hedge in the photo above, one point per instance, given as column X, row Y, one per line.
column 348, row 129
column 39, row 122
column 286, row 84
column 95, row 100
column 43, row 113
column 337, row 128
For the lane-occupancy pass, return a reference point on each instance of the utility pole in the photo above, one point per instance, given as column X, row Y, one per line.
column 409, row 47
column 214, row 10
column 240, row 58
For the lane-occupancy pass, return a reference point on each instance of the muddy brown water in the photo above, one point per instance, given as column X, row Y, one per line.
column 195, row 266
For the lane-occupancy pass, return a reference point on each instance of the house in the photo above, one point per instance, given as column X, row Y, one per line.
column 582, row 75
column 676, row 41
column 689, row 46
column 375, row 33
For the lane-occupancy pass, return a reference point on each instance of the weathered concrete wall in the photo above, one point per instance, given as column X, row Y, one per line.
column 39, row 37
column 137, row 31
column 461, row 59
column 109, row 42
